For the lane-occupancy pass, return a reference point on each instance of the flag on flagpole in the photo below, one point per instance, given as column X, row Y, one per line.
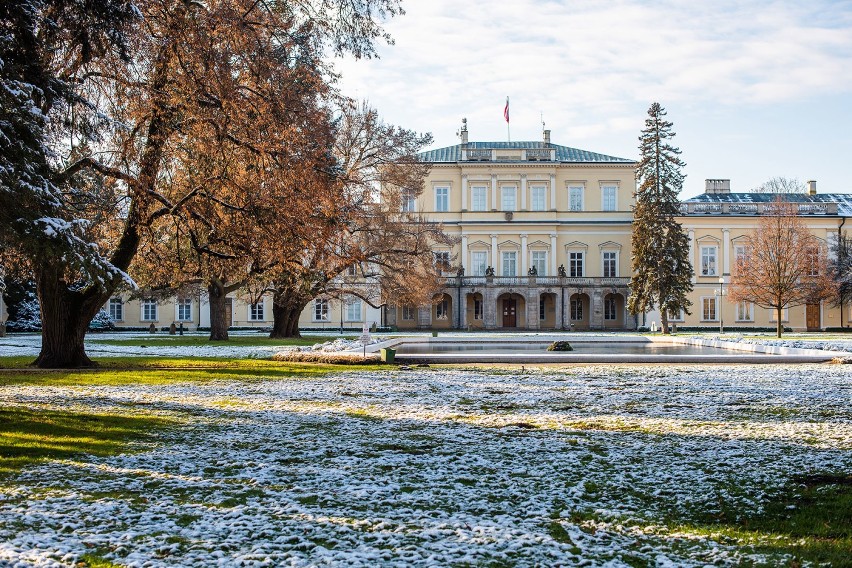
column 506, row 110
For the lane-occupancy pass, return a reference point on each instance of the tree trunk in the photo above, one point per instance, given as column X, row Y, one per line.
column 65, row 318
column 780, row 326
column 218, row 314
column 664, row 321
column 286, row 309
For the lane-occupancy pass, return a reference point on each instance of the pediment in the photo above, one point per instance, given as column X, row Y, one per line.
column 576, row 245
column 610, row 245
column 539, row 244
column 509, row 245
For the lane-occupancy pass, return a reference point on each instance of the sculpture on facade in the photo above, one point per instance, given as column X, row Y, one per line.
column 489, row 271
column 562, row 273
column 533, row 271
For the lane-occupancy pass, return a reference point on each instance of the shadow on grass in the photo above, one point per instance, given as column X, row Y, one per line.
column 811, row 520
column 160, row 370
column 31, row 436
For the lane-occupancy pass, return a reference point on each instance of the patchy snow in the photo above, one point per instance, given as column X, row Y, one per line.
column 433, row 467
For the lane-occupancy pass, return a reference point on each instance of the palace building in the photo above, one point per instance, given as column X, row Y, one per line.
column 544, row 242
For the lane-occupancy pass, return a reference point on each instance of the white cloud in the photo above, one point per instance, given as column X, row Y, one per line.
column 593, row 68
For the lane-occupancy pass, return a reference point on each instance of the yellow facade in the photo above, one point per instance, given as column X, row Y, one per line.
column 543, row 237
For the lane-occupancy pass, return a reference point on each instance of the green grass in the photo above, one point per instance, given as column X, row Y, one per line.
column 161, row 370
column 202, row 341
column 31, row 436
column 95, row 561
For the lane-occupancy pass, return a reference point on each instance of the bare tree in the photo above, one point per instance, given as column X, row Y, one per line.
column 781, row 185
column 784, row 265
column 359, row 239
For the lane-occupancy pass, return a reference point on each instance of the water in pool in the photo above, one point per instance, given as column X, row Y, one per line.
column 541, row 348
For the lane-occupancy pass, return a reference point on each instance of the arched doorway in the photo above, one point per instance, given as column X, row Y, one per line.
column 475, row 311
column 613, row 311
column 579, row 311
column 511, row 311
column 547, row 311
column 442, row 311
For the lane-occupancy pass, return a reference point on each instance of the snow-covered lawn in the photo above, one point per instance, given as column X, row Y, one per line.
column 583, row 465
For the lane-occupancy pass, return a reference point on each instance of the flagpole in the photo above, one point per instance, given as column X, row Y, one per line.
column 506, row 116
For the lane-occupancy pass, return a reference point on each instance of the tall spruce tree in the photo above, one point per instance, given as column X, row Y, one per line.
column 662, row 272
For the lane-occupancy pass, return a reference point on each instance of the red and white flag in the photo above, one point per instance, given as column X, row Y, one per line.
column 506, row 110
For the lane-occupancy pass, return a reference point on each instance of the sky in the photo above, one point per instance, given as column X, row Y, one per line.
column 754, row 89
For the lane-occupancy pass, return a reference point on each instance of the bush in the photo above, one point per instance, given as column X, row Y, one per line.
column 27, row 315
column 326, row 357
column 102, row 322
column 560, row 346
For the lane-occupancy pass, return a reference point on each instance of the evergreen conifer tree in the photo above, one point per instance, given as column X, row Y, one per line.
column 662, row 272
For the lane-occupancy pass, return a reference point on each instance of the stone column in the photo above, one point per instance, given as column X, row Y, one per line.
column 493, row 262
column 553, row 192
column 596, row 317
column 489, row 298
column 494, row 192
column 424, row 316
column 524, row 254
column 464, row 192
column 553, row 255
column 532, row 298
column 523, row 192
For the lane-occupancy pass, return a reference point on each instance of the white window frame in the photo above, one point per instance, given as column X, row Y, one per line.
column 442, row 260
column 576, row 258
column 508, row 258
column 538, row 259
column 785, row 315
column 146, row 305
column 538, row 198
column 613, row 261
column 745, row 311
column 609, row 197
column 575, row 308
column 709, row 303
column 442, row 199
column 680, row 316
column 506, row 192
column 409, row 201
column 116, row 309
column 479, row 198
column 321, row 310
column 478, row 308
column 478, row 268
column 710, row 266
column 350, row 312
column 575, row 197
column 181, row 305
column 610, row 308
column 257, row 312
column 442, row 309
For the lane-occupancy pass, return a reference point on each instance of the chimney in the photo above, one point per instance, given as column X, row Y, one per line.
column 463, row 131
column 715, row 186
column 812, row 187
column 546, row 134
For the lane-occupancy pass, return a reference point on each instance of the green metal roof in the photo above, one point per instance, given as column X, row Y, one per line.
column 843, row 200
column 563, row 153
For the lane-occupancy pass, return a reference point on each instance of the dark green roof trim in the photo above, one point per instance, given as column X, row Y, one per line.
column 564, row 154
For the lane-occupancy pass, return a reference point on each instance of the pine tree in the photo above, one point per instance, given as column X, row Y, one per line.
column 662, row 272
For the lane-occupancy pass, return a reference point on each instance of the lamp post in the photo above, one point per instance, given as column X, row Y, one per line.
column 721, row 293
